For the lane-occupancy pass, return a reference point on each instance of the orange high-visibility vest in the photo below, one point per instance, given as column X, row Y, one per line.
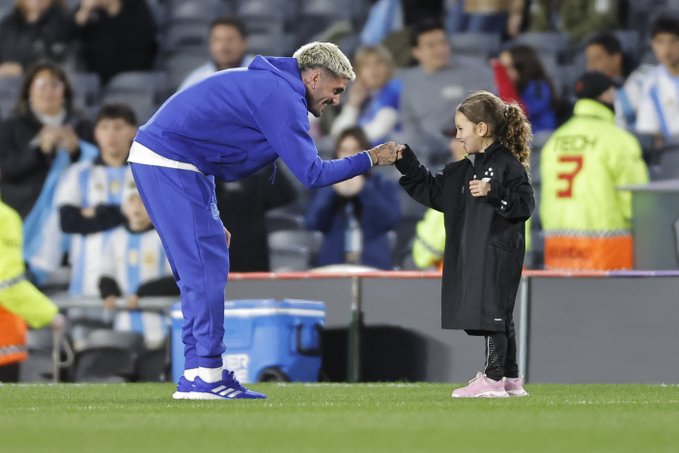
column 12, row 338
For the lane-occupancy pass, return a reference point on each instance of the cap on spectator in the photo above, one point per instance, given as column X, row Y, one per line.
column 592, row 84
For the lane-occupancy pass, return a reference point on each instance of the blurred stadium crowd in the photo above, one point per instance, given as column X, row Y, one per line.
column 78, row 76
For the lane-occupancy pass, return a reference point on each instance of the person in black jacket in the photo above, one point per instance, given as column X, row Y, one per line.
column 242, row 208
column 486, row 199
column 43, row 123
column 116, row 36
column 37, row 145
column 34, row 30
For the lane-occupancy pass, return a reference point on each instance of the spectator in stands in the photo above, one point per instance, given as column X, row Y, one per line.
column 90, row 193
column 116, row 36
column 659, row 105
column 242, row 207
column 495, row 16
column 520, row 77
column 33, row 30
column 37, row 144
column 134, row 265
column 432, row 90
column 373, row 101
column 577, row 18
column 20, row 301
column 391, row 16
column 355, row 215
column 604, row 53
column 228, row 43
column 586, row 220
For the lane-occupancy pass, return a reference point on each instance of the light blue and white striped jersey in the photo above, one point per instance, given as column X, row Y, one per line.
column 87, row 185
column 628, row 97
column 659, row 106
column 132, row 259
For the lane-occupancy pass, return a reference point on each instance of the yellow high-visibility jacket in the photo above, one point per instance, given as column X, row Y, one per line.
column 586, row 220
column 430, row 240
column 20, row 301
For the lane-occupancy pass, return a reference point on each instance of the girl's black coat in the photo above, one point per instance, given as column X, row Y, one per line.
column 485, row 237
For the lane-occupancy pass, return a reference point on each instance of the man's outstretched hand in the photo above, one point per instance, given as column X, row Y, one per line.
column 386, row 153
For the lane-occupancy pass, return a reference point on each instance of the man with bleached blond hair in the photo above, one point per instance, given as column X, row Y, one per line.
column 229, row 126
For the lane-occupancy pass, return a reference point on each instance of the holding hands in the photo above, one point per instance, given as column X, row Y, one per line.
column 386, row 153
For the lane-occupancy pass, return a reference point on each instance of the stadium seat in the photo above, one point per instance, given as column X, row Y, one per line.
column 669, row 162
column 147, row 83
column 281, row 221
column 86, row 90
column 153, row 364
column 204, row 10
column 293, row 250
column 475, row 43
column 336, row 9
column 277, row 10
column 308, row 240
column 177, row 67
column 349, row 44
column 39, row 366
column 291, row 260
column 552, row 44
column 108, row 356
column 9, row 93
column 316, row 16
column 274, row 44
column 186, row 35
column 5, row 8
column 104, row 364
column 569, row 75
column 132, row 341
column 630, row 41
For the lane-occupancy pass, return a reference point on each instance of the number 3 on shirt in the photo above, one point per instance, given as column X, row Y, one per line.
column 570, row 175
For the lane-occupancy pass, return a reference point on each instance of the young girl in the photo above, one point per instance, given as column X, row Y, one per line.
column 485, row 199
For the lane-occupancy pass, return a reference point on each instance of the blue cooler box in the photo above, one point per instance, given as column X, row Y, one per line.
column 266, row 339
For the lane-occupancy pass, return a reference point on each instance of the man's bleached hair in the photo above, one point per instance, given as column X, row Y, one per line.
column 324, row 55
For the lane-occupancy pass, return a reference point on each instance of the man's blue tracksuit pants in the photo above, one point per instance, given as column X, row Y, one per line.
column 183, row 208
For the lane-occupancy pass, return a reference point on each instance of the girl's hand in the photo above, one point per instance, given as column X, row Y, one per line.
column 479, row 188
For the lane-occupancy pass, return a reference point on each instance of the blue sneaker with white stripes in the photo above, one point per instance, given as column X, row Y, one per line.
column 184, row 387
column 227, row 389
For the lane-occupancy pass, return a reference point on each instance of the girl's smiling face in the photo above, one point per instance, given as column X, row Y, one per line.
column 469, row 134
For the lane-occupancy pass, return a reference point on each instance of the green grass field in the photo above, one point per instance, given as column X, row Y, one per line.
column 338, row 417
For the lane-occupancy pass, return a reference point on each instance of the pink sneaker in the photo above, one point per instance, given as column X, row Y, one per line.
column 481, row 387
column 514, row 386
